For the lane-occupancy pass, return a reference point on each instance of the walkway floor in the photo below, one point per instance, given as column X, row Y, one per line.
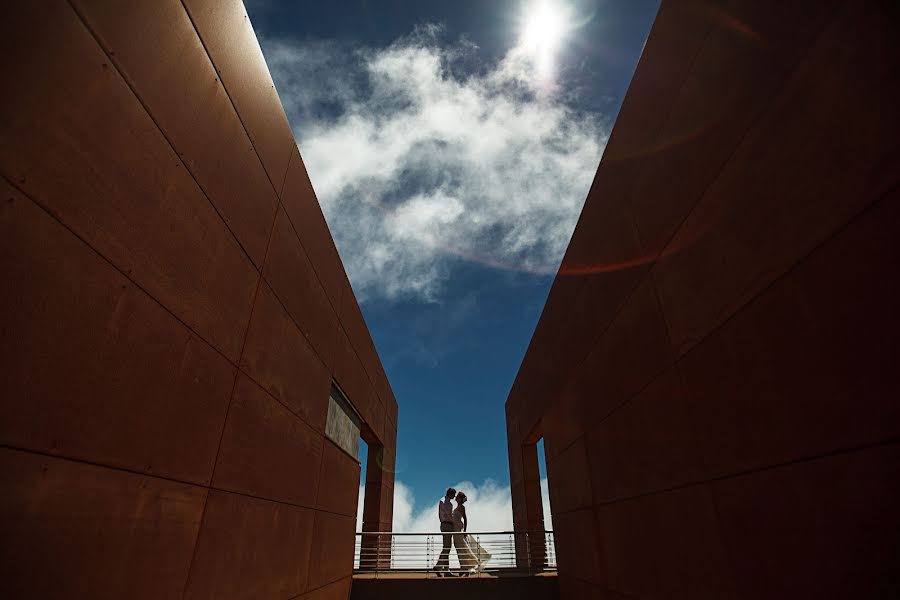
column 483, row 586
column 431, row 575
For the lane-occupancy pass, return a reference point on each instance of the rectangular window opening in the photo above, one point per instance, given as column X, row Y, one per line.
column 343, row 424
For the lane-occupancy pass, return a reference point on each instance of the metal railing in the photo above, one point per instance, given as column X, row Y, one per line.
column 531, row 551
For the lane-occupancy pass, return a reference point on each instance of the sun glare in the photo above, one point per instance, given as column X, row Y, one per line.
column 544, row 26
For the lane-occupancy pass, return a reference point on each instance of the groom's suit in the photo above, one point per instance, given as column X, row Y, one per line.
column 445, row 514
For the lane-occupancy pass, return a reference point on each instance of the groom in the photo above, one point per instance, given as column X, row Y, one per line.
column 445, row 514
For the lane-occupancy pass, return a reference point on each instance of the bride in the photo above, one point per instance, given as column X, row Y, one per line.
column 469, row 561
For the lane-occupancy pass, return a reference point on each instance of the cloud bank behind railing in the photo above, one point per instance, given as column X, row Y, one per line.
column 489, row 508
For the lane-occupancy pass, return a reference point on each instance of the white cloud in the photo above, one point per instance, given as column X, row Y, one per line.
column 489, row 508
column 421, row 155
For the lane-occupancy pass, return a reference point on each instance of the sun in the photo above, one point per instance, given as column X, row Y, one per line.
column 544, row 26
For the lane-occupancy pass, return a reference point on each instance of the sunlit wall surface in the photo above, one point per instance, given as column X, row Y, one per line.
column 174, row 316
column 715, row 372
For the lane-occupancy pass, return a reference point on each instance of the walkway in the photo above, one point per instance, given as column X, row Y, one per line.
column 484, row 586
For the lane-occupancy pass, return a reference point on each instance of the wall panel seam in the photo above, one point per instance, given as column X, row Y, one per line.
column 656, row 135
column 287, row 167
column 372, row 379
column 230, row 100
column 332, row 582
column 886, row 441
column 280, row 402
column 843, row 451
column 361, row 363
column 231, row 396
column 162, row 132
column 596, row 423
column 751, row 127
column 799, row 263
column 319, row 278
column 163, row 478
column 124, row 274
column 284, row 307
column 723, row 540
column 295, row 414
column 310, row 590
column 788, row 74
column 662, row 126
column 319, row 474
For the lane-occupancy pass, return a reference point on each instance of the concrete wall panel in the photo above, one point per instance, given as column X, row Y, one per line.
column 631, row 455
column 391, row 407
column 86, row 149
column 572, row 478
column 357, row 332
column 667, row 57
column 143, row 162
column 390, row 428
column 757, row 373
column 745, row 232
column 339, row 487
column 339, row 590
column 666, row 545
column 266, row 451
column 737, row 407
column 626, row 359
column 514, row 443
column 250, row 548
column 306, row 216
column 746, row 56
column 351, row 375
column 379, row 506
column 199, row 120
column 229, row 39
column 278, row 356
column 73, row 530
column 578, row 548
column 332, row 549
column 801, row 510
column 292, row 278
column 95, row 369
column 376, row 417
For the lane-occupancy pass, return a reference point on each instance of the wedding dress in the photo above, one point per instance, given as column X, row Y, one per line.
column 472, row 556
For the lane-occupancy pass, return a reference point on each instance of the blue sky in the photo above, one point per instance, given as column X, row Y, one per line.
column 452, row 145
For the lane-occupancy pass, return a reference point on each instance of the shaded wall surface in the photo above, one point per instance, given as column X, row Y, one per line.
column 715, row 372
column 174, row 315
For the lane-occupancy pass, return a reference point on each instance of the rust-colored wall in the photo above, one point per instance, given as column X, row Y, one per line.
column 715, row 371
column 174, row 312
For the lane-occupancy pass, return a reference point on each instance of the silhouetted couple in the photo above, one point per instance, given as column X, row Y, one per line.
column 453, row 527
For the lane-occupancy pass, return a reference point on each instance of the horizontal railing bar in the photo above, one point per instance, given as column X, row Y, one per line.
column 419, row 551
column 521, row 533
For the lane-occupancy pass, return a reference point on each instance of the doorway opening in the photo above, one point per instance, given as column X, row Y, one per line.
column 545, row 487
column 362, row 457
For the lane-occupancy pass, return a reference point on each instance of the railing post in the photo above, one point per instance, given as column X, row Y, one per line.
column 383, row 552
